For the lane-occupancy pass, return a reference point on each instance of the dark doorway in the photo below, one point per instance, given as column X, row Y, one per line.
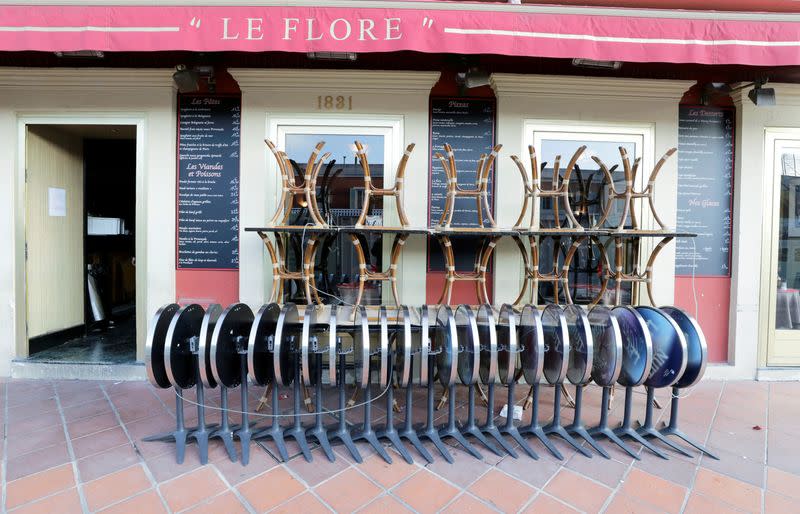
column 108, row 332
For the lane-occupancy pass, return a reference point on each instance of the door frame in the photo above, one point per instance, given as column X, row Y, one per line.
column 20, row 231
column 769, row 335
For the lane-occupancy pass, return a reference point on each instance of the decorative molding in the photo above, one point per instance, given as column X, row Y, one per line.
column 356, row 81
column 85, row 79
column 596, row 88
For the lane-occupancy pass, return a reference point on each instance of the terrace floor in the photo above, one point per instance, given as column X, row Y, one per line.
column 76, row 446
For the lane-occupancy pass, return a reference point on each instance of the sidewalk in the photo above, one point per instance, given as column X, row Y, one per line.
column 75, row 446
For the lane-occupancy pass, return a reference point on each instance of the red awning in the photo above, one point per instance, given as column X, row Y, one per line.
column 640, row 35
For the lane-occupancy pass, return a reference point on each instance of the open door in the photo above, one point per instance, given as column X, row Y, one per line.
column 54, row 272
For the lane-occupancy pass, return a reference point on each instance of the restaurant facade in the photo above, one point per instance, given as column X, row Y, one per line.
column 133, row 155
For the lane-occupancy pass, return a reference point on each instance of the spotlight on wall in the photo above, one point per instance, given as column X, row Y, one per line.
column 597, row 65
column 762, row 96
column 186, row 80
column 473, row 77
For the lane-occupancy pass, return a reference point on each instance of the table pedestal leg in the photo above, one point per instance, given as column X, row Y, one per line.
column 471, row 428
column 603, row 430
column 340, row 431
column 224, row 432
column 672, row 428
column 626, row 430
column 450, row 429
column 489, row 426
column 407, row 431
column 535, row 429
column 274, row 431
column 429, row 430
column 577, row 428
column 648, row 431
column 555, row 427
column 510, row 429
column 318, row 431
column 297, row 431
column 179, row 435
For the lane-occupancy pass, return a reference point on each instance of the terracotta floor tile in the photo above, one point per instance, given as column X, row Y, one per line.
column 319, row 470
column 468, row 503
column 608, row 472
column 41, row 484
column 787, row 484
column 662, row 494
column 675, row 469
column 270, row 489
column 147, row 502
column 504, row 492
column 109, row 461
column 425, row 492
column 623, row 504
column 164, row 467
column 735, row 466
column 115, row 487
column 32, row 408
column 729, row 490
column 192, row 488
column 348, row 491
column 72, row 398
column 20, row 444
column 306, row 503
column 565, row 484
column 775, row 503
column 388, row 475
column 226, row 503
column 386, row 504
column 701, row 504
column 66, row 502
column 37, row 461
column 235, row 473
column 98, row 442
column 30, row 425
column 535, row 473
column 88, row 426
column 86, row 410
column 464, row 470
column 544, row 504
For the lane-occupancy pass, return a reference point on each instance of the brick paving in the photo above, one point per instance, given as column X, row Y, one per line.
column 75, row 446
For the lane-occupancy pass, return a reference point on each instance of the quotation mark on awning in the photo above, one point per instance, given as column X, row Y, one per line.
column 427, row 22
column 195, row 22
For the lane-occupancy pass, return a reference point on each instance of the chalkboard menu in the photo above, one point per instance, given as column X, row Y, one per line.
column 208, row 182
column 705, row 184
column 466, row 124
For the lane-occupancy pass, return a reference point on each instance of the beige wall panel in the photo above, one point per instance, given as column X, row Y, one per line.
column 54, row 270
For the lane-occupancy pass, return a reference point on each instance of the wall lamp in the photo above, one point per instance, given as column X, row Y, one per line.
column 473, row 77
column 759, row 95
column 187, row 80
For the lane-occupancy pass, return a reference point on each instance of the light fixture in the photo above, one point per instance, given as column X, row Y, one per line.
column 473, row 77
column 759, row 95
column 90, row 54
column 762, row 96
column 332, row 56
column 187, row 80
column 600, row 65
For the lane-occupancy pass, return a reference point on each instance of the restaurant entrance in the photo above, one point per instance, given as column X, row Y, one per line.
column 80, row 213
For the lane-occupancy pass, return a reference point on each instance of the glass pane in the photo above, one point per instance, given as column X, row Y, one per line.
column 787, row 304
column 340, row 194
column 589, row 196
